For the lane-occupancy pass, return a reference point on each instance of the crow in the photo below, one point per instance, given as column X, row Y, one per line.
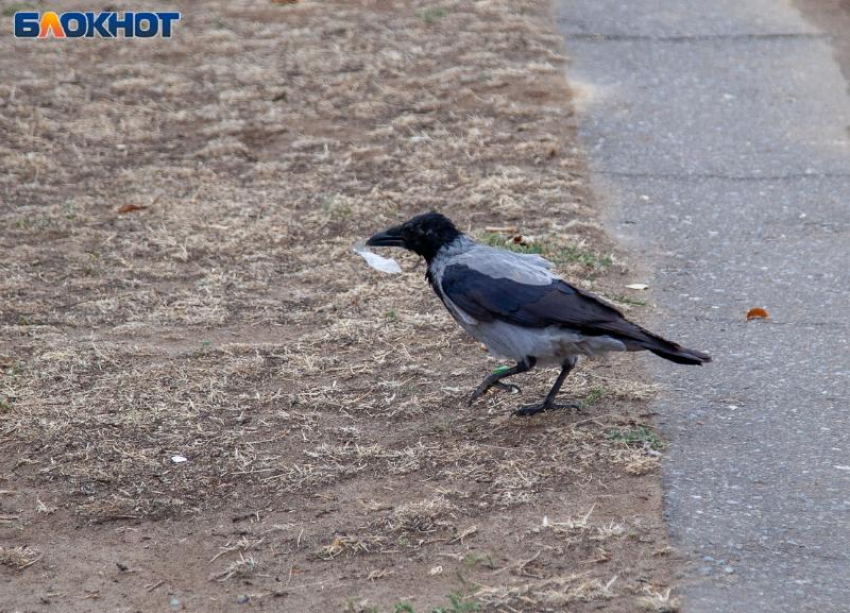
column 513, row 304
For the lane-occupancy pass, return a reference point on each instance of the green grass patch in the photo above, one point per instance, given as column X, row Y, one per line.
column 639, row 436
column 204, row 350
column 433, row 14
column 333, row 208
column 582, row 256
column 457, row 604
column 471, row 560
column 558, row 255
column 595, row 395
column 494, row 239
column 622, row 298
column 410, row 388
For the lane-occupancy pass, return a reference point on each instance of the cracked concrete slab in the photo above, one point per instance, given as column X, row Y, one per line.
column 717, row 132
column 742, row 125
column 662, row 18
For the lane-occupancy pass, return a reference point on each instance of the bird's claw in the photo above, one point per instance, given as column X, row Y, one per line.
column 540, row 407
column 507, row 387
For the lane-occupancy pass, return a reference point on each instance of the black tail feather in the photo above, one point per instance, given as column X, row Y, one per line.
column 668, row 349
column 682, row 355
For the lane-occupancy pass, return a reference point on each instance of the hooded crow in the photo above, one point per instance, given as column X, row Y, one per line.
column 520, row 310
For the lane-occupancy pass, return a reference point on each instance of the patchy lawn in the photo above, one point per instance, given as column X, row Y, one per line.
column 178, row 282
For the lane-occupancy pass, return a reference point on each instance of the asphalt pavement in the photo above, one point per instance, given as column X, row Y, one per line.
column 717, row 135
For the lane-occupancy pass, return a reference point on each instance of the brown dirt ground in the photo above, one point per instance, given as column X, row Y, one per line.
column 332, row 462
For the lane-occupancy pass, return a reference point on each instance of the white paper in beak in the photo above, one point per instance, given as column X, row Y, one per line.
column 374, row 260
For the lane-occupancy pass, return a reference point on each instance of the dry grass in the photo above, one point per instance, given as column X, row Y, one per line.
column 223, row 317
column 19, row 558
column 423, row 516
column 557, row 592
column 658, row 601
column 242, row 568
column 580, row 527
column 348, row 544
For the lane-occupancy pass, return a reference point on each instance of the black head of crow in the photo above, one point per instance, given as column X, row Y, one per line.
column 513, row 304
column 425, row 235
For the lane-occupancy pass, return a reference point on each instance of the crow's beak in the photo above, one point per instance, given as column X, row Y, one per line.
column 391, row 237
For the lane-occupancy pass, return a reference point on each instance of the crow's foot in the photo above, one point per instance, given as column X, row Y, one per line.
column 540, row 407
column 507, row 387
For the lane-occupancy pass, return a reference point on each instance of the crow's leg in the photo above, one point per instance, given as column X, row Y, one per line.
column 494, row 380
column 549, row 402
column 507, row 387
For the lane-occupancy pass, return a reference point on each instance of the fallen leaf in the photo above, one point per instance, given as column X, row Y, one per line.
column 521, row 240
column 637, row 286
column 130, row 208
column 379, row 574
column 757, row 313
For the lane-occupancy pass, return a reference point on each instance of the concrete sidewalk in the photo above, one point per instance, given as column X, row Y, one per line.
column 717, row 133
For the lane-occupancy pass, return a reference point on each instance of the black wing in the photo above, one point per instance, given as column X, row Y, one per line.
column 533, row 306
column 489, row 298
